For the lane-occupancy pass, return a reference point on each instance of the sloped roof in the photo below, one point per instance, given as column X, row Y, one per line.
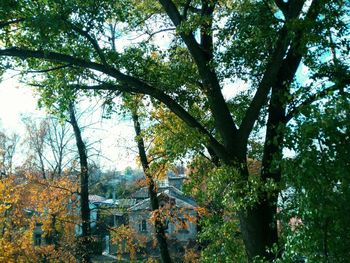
column 177, row 177
column 143, row 205
column 176, row 193
column 143, row 192
column 119, row 202
column 96, row 199
column 180, row 202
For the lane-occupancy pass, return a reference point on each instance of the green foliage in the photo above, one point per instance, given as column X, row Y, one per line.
column 222, row 239
column 222, row 192
column 244, row 37
column 248, row 35
column 219, row 227
column 319, row 186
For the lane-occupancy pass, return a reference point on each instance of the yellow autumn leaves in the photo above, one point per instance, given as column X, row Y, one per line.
column 30, row 205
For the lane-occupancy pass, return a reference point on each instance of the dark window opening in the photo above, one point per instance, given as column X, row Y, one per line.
column 143, row 226
column 37, row 240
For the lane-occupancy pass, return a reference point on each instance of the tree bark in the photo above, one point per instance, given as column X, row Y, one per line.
column 84, row 189
column 152, row 190
column 258, row 234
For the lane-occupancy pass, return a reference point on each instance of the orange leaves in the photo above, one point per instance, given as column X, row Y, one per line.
column 201, row 211
column 30, row 206
column 191, row 256
column 15, row 241
column 127, row 241
column 155, row 215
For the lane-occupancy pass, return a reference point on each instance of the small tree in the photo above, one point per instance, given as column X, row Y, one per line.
column 8, row 145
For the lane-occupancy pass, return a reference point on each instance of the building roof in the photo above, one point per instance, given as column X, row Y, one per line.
column 96, row 199
column 177, row 177
column 126, row 203
column 180, row 202
column 143, row 192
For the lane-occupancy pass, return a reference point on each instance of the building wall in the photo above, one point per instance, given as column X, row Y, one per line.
column 176, row 182
column 179, row 228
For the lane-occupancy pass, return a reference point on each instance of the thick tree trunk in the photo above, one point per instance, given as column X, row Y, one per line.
column 259, row 228
column 152, row 190
column 257, row 222
column 84, row 189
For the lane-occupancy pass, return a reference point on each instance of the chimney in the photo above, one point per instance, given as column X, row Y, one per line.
column 176, row 181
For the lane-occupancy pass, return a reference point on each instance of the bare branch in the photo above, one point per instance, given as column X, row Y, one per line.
column 313, row 98
column 55, row 186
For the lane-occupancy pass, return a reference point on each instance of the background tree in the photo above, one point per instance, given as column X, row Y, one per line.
column 50, row 143
column 159, row 222
column 28, row 205
column 8, row 145
column 84, row 253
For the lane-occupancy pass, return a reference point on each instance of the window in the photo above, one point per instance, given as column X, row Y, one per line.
column 183, row 226
column 143, row 226
column 166, row 226
column 37, row 239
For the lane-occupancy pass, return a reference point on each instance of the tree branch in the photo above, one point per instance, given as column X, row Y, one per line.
column 132, row 84
column 266, row 83
column 92, row 40
column 7, row 23
column 170, row 103
column 314, row 97
column 152, row 34
column 211, row 86
column 50, row 69
column 274, row 66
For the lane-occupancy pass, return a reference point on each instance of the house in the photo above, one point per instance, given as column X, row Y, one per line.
column 171, row 181
column 94, row 201
column 181, row 217
column 179, row 210
column 136, row 213
column 110, row 213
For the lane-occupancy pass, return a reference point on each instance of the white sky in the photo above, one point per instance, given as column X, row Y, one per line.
column 15, row 101
column 116, row 136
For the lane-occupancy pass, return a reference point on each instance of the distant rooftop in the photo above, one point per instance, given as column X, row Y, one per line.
column 96, row 199
column 119, row 202
column 143, row 192
column 183, row 202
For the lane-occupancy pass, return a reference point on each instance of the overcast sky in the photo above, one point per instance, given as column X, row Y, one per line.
column 116, row 136
column 15, row 100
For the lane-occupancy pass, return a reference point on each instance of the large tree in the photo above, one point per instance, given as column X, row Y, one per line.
column 212, row 45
